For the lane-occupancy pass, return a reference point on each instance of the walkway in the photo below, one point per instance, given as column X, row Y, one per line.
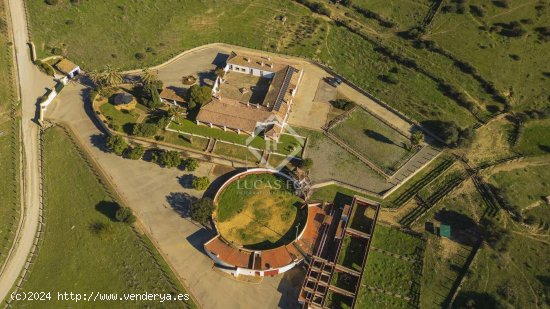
column 32, row 84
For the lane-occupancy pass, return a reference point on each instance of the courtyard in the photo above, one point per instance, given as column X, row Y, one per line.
column 244, row 88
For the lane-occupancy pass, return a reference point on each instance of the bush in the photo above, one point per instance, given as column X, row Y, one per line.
column 145, row 129
column 496, row 236
column 140, row 56
column 135, row 153
column 201, row 183
column 170, row 159
column 101, row 229
column 52, row 2
column 191, row 164
column 117, row 144
column 477, row 10
column 343, row 104
column 199, row 95
column 125, row 214
column 201, row 210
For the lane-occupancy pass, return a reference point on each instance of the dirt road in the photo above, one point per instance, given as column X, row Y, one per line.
column 32, row 85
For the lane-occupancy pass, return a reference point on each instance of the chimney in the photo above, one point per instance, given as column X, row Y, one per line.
column 270, row 65
column 247, row 59
column 262, row 63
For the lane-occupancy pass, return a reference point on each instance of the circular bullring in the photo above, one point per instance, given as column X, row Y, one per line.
column 259, row 210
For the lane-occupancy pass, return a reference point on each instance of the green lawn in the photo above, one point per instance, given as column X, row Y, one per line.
column 120, row 120
column 395, row 241
column 9, row 145
column 374, row 299
column 374, row 139
column 235, row 151
column 184, row 140
column 284, row 146
column 388, row 273
column 535, row 138
column 72, row 257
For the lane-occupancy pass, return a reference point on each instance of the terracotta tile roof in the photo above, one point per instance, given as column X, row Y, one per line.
column 315, row 218
column 233, row 114
column 171, row 94
column 229, row 254
column 276, row 258
column 66, row 66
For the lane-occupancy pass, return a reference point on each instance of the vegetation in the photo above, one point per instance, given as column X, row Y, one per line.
column 94, row 263
column 117, row 144
column 343, row 104
column 201, row 183
column 201, row 210
column 136, row 152
column 199, row 95
column 10, row 124
column 191, row 164
column 170, row 158
column 378, row 142
column 125, row 214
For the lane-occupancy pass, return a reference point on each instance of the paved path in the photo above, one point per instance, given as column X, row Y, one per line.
column 158, row 196
column 32, row 84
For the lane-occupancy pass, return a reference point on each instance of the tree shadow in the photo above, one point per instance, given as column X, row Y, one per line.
column 181, row 202
column 85, row 95
column 186, row 181
column 470, row 299
column 100, row 142
column 377, row 136
column 108, row 208
column 464, row 230
column 544, row 148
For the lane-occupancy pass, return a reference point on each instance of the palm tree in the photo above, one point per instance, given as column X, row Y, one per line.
column 111, row 76
column 96, row 78
column 148, row 77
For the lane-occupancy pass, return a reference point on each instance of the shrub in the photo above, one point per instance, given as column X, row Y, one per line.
column 135, row 153
column 191, row 164
column 145, row 129
column 343, row 104
column 201, row 183
column 477, row 10
column 201, row 210
column 52, row 2
column 101, row 229
column 117, row 144
column 170, row 159
column 140, row 56
column 125, row 214
column 496, row 236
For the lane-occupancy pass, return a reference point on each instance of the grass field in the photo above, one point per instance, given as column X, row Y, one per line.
column 259, row 211
column 338, row 195
column 513, row 181
column 491, row 142
column 351, row 252
column 535, row 138
column 9, row 144
column 72, row 256
column 235, row 151
column 388, row 273
column 184, row 140
column 374, row 139
column 514, row 64
column 395, row 241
